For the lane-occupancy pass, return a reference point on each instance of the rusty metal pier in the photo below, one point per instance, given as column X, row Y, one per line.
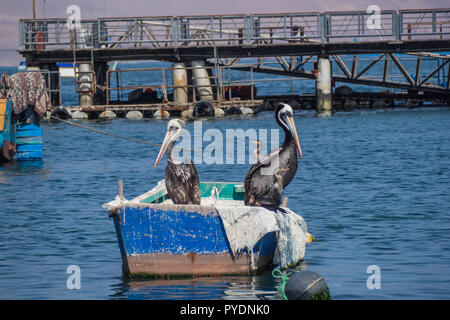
column 224, row 42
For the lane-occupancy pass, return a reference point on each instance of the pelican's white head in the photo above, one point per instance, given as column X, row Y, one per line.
column 174, row 129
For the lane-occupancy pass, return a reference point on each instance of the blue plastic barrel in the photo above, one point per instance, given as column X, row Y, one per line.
column 29, row 142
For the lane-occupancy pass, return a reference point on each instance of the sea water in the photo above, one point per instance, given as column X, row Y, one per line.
column 373, row 187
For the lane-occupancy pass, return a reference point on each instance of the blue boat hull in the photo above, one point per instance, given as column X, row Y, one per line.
column 29, row 142
column 164, row 239
column 22, row 141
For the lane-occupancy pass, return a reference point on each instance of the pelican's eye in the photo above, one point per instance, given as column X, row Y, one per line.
column 288, row 113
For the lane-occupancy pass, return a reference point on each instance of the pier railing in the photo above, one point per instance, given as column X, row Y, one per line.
column 223, row 82
column 220, row 30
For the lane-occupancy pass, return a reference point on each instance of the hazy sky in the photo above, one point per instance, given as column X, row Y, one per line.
column 12, row 10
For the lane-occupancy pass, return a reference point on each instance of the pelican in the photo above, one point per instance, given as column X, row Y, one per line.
column 181, row 179
column 262, row 175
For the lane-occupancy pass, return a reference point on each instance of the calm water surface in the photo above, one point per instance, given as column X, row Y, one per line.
column 372, row 186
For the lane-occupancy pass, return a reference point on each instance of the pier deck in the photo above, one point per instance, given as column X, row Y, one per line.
column 222, row 41
column 233, row 36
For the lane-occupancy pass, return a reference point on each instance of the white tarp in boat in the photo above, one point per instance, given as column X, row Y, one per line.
column 245, row 226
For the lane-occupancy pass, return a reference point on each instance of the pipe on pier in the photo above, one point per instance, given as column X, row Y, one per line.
column 201, row 80
column 179, row 76
column 86, row 83
column 324, row 106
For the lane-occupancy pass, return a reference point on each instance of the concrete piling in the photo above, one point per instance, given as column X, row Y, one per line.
column 324, row 106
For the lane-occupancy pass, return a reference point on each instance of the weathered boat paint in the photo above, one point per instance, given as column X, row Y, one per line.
column 166, row 239
column 7, row 131
column 29, row 142
column 163, row 239
column 23, row 141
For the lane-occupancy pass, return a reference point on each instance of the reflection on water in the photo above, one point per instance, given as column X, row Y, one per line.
column 262, row 286
column 16, row 168
column 225, row 288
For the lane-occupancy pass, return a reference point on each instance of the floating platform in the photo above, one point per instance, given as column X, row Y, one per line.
column 341, row 102
column 219, row 237
column 159, row 110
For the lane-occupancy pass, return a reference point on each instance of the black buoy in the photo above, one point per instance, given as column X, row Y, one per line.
column 343, row 91
column 203, row 109
column 306, row 285
column 135, row 95
column 233, row 110
column 61, row 113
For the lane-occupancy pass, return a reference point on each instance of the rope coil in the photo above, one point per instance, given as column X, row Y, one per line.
column 284, row 277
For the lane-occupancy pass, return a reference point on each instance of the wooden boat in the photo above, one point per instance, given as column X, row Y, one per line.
column 159, row 238
column 18, row 141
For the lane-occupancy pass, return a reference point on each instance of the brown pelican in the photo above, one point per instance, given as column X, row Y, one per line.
column 181, row 179
column 262, row 175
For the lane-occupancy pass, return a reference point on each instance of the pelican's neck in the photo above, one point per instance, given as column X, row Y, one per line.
column 288, row 140
column 287, row 133
column 169, row 154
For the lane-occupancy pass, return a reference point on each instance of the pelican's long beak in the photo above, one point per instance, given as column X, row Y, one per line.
column 294, row 133
column 164, row 145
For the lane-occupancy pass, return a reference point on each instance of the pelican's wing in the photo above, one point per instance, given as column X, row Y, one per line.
column 182, row 183
column 176, row 184
column 265, row 162
column 260, row 177
column 195, row 184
